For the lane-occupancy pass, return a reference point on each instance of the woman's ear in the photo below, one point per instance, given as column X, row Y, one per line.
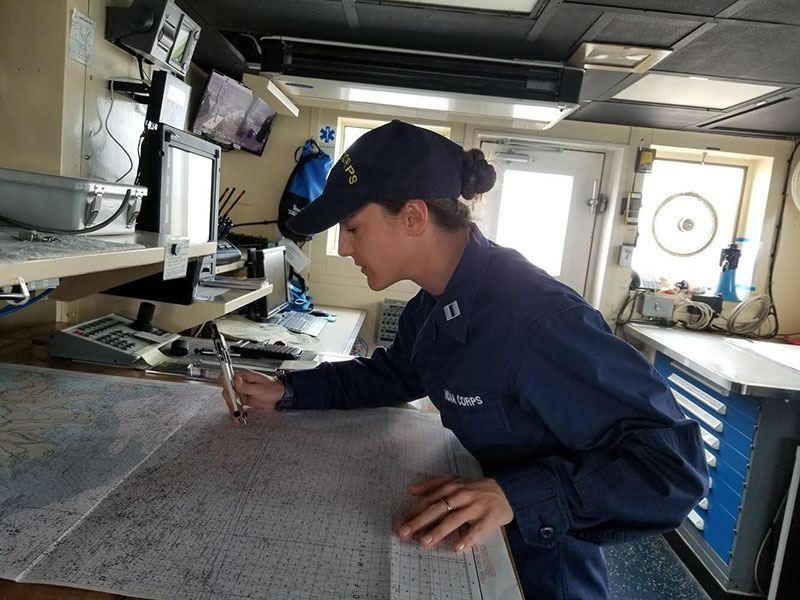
column 414, row 217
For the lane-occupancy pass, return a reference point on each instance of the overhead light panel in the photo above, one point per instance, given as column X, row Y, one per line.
column 398, row 99
column 515, row 6
column 534, row 112
column 678, row 90
column 614, row 57
column 272, row 94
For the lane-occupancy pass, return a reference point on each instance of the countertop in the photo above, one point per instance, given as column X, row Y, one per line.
column 728, row 366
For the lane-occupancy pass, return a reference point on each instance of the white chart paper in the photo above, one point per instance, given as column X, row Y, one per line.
column 295, row 505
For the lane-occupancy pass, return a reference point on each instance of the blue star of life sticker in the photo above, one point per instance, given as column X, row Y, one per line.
column 327, row 134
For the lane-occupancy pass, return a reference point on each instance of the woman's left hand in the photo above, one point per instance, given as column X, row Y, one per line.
column 449, row 502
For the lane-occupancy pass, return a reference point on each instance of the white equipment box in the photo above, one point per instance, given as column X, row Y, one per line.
column 55, row 202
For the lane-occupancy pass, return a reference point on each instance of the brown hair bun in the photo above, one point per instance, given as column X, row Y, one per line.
column 477, row 175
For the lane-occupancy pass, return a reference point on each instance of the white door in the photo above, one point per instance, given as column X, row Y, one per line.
column 543, row 205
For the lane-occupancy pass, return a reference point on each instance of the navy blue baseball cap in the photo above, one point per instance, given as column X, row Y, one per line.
column 396, row 161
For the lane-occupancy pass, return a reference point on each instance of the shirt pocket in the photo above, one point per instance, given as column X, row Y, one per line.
column 479, row 416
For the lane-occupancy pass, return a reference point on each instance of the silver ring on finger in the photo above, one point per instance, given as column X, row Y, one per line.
column 447, row 504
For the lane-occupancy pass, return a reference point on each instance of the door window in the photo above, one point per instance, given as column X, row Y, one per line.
column 533, row 217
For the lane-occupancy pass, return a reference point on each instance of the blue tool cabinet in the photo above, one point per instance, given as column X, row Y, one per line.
column 748, row 410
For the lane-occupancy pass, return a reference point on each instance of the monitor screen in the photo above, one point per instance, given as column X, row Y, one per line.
column 275, row 272
column 191, row 194
column 232, row 115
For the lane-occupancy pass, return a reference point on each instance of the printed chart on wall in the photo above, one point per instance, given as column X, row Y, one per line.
column 147, row 489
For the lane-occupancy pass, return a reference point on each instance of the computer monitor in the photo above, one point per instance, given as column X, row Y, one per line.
column 231, row 115
column 269, row 263
column 275, row 272
column 181, row 173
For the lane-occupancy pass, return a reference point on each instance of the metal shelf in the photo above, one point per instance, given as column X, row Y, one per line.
column 84, row 255
column 178, row 317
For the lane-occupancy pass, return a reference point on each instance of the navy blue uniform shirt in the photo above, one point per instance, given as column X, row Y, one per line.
column 579, row 430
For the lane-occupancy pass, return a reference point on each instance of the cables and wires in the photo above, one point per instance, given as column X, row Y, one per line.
column 111, row 135
column 122, row 206
column 253, row 223
column 14, row 308
column 142, row 76
column 631, row 301
column 698, row 314
column 772, row 526
column 740, row 323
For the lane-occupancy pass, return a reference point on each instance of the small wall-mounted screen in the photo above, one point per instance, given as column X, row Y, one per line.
column 231, row 115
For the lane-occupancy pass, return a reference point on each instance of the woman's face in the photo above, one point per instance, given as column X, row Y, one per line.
column 374, row 240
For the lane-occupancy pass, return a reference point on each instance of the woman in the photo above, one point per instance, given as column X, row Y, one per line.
column 579, row 438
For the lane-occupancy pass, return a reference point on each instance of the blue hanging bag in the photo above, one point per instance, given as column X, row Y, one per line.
column 304, row 186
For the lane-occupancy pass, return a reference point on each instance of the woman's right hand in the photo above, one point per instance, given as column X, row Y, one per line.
column 256, row 390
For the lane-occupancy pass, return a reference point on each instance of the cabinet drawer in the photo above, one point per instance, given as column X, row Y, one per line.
column 719, row 527
column 723, row 472
column 727, row 454
column 725, row 496
column 744, row 405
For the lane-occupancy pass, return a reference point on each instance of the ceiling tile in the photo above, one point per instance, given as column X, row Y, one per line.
column 428, row 29
column 285, row 18
column 772, row 11
column 562, row 33
column 518, row 6
column 596, row 83
column 658, row 88
column 741, row 51
column 623, row 113
column 707, row 8
column 637, row 30
column 780, row 117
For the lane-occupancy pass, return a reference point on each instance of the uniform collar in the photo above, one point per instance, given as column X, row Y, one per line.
column 454, row 306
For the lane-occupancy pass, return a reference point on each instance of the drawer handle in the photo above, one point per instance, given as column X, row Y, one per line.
column 697, row 520
column 699, row 394
column 710, row 440
column 711, row 459
column 703, row 415
column 703, row 504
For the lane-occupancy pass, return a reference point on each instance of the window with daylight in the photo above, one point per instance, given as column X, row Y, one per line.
column 536, row 227
column 690, row 212
column 351, row 130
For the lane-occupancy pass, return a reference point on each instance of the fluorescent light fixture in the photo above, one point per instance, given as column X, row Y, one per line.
column 410, row 102
column 615, row 57
column 517, row 6
column 398, row 99
column 535, row 112
column 690, row 91
column 269, row 92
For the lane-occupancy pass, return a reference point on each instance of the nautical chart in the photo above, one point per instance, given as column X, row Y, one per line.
column 297, row 505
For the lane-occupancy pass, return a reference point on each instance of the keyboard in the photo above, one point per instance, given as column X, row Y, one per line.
column 273, row 351
column 300, row 322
